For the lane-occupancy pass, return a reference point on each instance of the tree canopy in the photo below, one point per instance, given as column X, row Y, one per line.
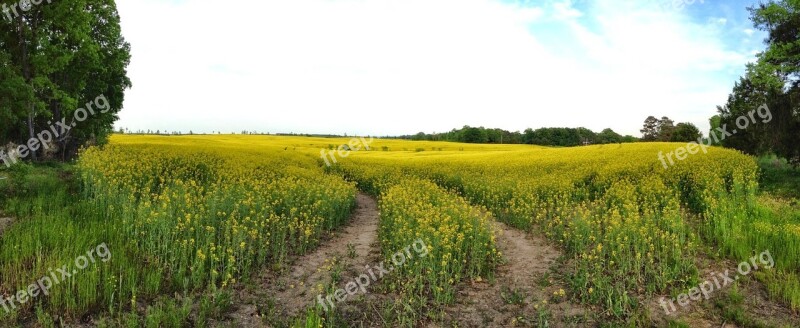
column 650, row 129
column 773, row 82
column 56, row 59
column 564, row 137
column 685, row 132
column 664, row 129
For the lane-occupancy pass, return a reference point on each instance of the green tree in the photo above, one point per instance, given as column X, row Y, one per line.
column 772, row 82
column 420, row 136
column 686, row 132
column 57, row 57
column 608, row 136
column 665, row 129
column 473, row 135
column 650, row 129
column 586, row 136
column 714, row 135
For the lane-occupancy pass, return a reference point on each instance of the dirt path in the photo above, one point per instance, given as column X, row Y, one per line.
column 515, row 297
column 287, row 294
column 754, row 302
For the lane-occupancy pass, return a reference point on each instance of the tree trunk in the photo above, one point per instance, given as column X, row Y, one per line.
column 31, row 132
column 26, row 72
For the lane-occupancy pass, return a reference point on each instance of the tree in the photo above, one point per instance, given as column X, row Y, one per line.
column 473, row 135
column 770, row 86
column 494, row 136
column 527, row 136
column 665, row 129
column 55, row 58
column 685, row 132
column 608, row 136
column 586, row 136
column 650, row 129
column 714, row 135
column 562, row 137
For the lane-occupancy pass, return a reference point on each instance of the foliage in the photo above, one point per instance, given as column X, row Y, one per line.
column 650, row 129
column 779, row 178
column 564, row 137
column 54, row 58
column 685, row 132
column 773, row 81
column 469, row 134
column 664, row 129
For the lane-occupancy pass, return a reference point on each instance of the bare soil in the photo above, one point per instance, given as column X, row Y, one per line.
column 516, row 297
column 287, row 294
column 703, row 313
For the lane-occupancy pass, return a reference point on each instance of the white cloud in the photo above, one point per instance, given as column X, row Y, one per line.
column 564, row 10
column 393, row 67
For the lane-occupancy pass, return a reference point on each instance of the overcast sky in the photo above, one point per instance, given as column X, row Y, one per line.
column 402, row 66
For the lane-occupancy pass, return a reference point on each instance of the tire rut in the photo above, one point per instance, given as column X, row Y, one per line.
column 289, row 293
column 520, row 285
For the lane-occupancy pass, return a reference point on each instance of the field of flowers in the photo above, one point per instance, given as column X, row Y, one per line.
column 631, row 228
column 193, row 215
column 459, row 236
column 175, row 218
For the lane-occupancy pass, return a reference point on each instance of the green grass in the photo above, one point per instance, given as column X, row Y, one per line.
column 57, row 220
column 778, row 178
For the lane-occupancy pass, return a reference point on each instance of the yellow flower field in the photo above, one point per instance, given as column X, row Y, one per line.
column 197, row 214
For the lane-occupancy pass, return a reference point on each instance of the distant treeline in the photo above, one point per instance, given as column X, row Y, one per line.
column 564, row 137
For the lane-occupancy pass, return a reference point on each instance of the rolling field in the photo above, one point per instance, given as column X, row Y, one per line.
column 231, row 230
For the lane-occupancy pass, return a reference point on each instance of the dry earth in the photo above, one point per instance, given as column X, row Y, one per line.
column 287, row 294
column 515, row 297
column 707, row 313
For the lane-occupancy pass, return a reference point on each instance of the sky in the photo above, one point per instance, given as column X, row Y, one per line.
column 394, row 67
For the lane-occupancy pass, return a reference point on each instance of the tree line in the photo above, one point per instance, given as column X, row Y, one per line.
column 772, row 81
column 561, row 137
column 666, row 130
column 55, row 57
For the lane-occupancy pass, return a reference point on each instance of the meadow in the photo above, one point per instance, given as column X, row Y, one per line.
column 191, row 220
